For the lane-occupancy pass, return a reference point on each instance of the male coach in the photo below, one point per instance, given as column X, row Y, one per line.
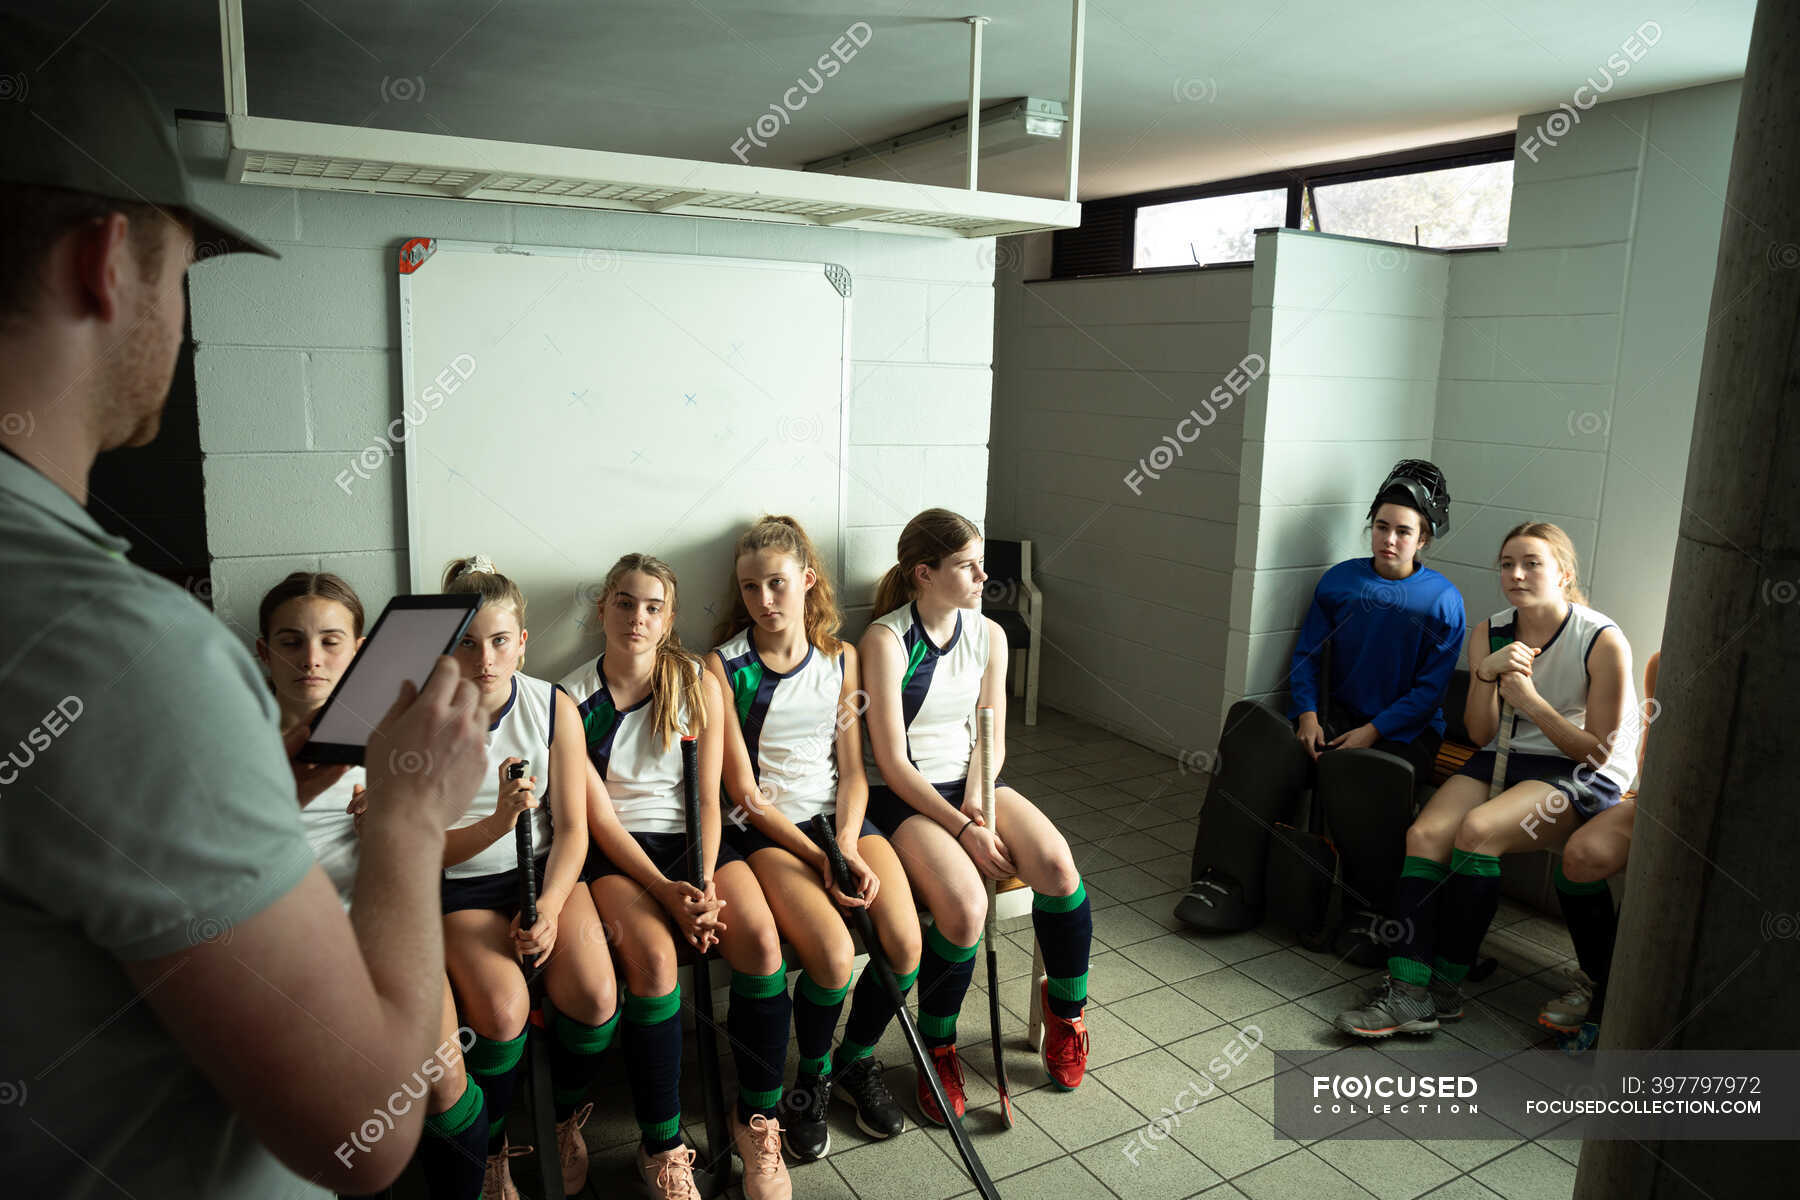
column 187, row 1010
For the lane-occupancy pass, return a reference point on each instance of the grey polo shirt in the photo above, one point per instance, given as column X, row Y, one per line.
column 146, row 805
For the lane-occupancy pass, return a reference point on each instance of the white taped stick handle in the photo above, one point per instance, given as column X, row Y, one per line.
column 984, row 746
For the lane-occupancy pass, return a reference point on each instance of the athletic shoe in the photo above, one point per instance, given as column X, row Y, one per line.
column 669, row 1175
column 1065, row 1052
column 1580, row 1040
column 759, row 1145
column 862, row 1086
column 1446, row 999
column 496, row 1181
column 803, row 1127
column 1394, row 1007
column 571, row 1147
column 1566, row 1013
column 949, row 1072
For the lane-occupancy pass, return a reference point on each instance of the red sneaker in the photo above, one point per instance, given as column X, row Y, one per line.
column 949, row 1072
column 1065, row 1046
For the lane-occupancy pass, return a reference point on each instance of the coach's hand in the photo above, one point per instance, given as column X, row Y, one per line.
column 426, row 757
column 358, row 805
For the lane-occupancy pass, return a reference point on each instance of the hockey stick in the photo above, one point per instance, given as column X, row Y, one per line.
column 884, row 972
column 543, row 1104
column 706, row 1042
column 527, row 859
column 1502, row 752
column 984, row 736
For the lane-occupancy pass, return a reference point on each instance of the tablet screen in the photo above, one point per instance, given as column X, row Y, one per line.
column 404, row 644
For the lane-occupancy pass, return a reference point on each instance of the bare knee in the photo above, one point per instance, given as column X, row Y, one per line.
column 964, row 915
column 835, row 961
column 1428, row 841
column 650, row 970
column 497, row 1009
column 1062, row 878
column 1588, row 860
column 762, row 950
column 901, row 937
column 1474, row 835
column 904, row 946
column 595, row 999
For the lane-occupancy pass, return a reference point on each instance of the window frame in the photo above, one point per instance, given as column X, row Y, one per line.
column 1298, row 181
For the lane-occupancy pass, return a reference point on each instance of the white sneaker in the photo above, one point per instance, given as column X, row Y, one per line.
column 1566, row 1013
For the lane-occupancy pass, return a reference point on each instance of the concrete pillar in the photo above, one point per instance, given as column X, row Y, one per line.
column 1706, row 955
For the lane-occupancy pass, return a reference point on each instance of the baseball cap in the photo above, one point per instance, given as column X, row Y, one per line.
column 72, row 116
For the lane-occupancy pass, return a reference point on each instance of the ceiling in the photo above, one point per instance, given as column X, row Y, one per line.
column 1176, row 93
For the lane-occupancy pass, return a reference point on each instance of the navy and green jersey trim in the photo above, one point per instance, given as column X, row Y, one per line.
column 921, row 661
column 752, row 688
column 1500, row 636
column 600, row 721
column 753, row 685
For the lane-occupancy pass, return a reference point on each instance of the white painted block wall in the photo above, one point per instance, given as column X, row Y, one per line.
column 1572, row 356
column 1352, row 332
column 297, row 371
column 1090, row 375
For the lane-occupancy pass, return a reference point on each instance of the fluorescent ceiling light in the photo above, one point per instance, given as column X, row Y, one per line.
column 1005, row 128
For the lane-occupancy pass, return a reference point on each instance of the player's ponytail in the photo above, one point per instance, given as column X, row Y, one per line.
column 477, row 574
column 675, row 687
column 926, row 539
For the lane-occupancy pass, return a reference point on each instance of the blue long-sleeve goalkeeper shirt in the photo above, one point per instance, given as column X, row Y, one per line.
column 1394, row 645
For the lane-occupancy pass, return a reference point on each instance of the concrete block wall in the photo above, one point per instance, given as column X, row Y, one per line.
column 297, row 370
column 1351, row 332
column 1572, row 356
column 1091, row 375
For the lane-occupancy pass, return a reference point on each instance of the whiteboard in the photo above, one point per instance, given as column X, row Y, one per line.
column 564, row 406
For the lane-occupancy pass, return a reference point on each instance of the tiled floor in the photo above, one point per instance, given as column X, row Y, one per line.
column 1163, row 1003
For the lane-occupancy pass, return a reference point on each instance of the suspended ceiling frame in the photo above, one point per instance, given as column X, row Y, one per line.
column 309, row 154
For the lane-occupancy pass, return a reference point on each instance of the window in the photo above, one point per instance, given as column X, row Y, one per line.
column 1456, row 195
column 1214, row 229
column 1454, row 206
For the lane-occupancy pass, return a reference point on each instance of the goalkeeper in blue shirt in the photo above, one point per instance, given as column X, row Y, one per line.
column 1396, row 628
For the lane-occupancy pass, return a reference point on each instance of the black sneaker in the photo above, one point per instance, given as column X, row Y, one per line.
column 861, row 1084
column 803, row 1128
